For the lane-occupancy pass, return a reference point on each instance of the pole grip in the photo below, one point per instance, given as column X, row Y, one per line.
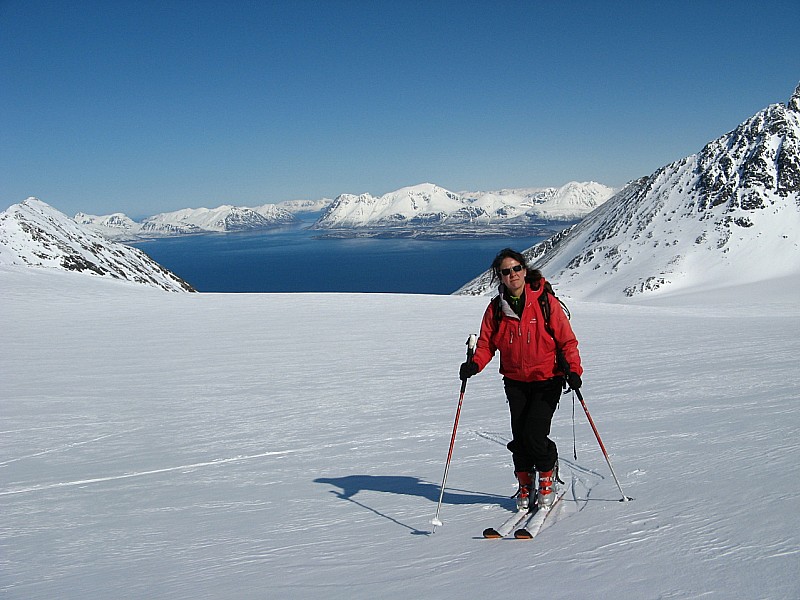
column 472, row 341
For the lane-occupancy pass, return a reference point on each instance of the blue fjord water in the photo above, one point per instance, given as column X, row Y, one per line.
column 291, row 260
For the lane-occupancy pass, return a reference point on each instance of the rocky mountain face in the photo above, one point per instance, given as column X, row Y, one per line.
column 34, row 234
column 431, row 206
column 728, row 214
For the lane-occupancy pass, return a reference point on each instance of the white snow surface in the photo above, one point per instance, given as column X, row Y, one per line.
column 243, row 446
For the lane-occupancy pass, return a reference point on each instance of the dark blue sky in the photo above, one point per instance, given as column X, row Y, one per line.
column 148, row 106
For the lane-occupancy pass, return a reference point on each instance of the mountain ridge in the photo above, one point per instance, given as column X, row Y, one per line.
column 726, row 214
column 425, row 206
column 33, row 234
column 430, row 205
column 188, row 221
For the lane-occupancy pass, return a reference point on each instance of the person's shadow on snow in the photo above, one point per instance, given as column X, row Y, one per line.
column 350, row 485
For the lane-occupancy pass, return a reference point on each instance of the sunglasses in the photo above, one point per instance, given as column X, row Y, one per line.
column 507, row 272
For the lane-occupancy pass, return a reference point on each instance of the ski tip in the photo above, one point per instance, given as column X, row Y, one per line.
column 491, row 533
column 523, row 534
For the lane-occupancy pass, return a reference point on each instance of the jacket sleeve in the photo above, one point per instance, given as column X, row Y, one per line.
column 565, row 338
column 485, row 348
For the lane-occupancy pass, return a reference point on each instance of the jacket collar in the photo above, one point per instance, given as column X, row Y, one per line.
column 530, row 295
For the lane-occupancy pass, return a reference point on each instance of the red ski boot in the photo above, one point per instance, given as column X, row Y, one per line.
column 525, row 488
column 546, row 494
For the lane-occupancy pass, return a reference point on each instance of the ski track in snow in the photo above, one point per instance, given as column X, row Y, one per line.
column 247, row 446
column 181, row 468
column 58, row 449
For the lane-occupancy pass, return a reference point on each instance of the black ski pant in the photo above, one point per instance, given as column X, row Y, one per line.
column 532, row 405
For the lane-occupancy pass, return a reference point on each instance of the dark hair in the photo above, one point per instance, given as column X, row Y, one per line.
column 534, row 275
column 504, row 254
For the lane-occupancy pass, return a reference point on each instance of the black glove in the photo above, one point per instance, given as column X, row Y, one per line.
column 467, row 370
column 574, row 381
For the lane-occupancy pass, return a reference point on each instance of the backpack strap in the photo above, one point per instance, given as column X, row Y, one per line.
column 544, row 305
column 497, row 311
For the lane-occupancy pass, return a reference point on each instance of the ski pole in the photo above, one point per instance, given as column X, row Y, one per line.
column 470, row 351
column 602, row 447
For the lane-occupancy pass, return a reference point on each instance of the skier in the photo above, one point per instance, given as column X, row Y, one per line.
column 537, row 354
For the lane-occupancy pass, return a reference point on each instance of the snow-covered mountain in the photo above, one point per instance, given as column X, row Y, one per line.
column 221, row 219
column 569, row 202
column 34, row 234
column 425, row 203
column 728, row 214
column 429, row 205
column 189, row 221
column 117, row 225
column 305, row 206
column 409, row 210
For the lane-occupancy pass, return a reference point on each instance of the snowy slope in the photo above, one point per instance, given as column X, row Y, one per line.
column 250, row 446
column 729, row 214
column 34, row 234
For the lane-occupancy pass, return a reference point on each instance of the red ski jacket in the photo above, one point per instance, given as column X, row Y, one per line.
column 527, row 350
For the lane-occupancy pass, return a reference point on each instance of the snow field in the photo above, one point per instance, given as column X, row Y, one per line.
column 161, row 445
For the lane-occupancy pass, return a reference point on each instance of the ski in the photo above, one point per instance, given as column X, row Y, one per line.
column 509, row 525
column 536, row 522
